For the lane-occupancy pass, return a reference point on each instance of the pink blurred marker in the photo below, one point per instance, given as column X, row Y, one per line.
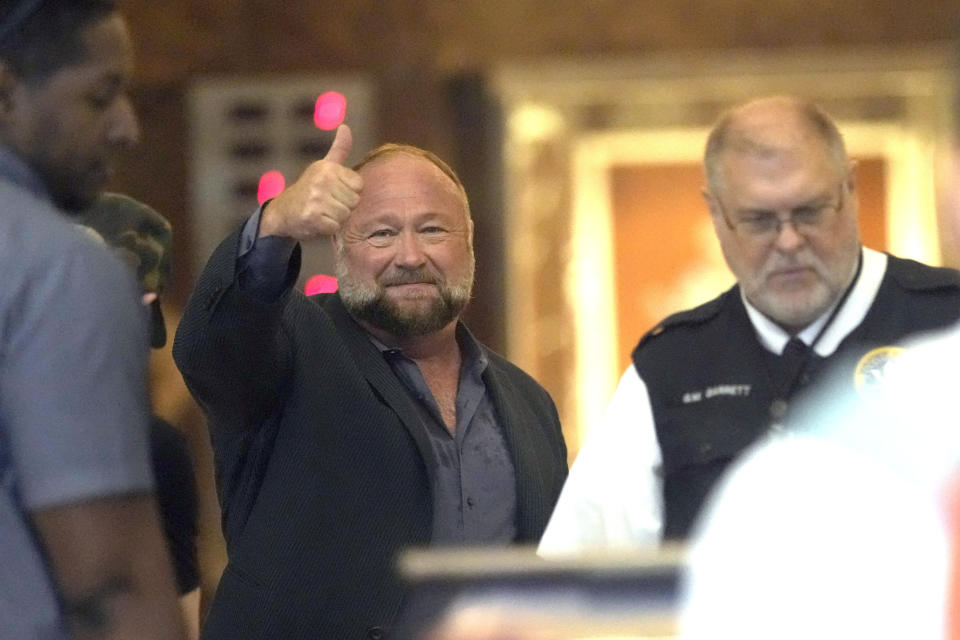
column 330, row 111
column 271, row 184
column 320, row 284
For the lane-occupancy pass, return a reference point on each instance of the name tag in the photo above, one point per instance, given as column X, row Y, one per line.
column 720, row 390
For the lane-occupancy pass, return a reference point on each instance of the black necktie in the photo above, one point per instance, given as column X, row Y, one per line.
column 794, row 360
column 794, row 353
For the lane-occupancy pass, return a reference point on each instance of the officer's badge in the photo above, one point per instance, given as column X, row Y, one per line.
column 874, row 366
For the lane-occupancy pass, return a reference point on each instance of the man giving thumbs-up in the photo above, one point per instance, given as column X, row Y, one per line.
column 349, row 426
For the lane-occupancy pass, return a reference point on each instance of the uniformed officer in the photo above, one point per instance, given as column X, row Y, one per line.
column 790, row 542
column 707, row 382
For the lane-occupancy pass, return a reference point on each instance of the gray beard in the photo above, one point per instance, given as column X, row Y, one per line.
column 371, row 305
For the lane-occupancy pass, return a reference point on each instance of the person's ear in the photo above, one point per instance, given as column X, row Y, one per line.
column 708, row 199
column 851, row 176
column 716, row 217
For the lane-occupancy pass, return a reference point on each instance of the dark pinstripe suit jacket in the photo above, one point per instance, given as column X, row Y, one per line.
column 322, row 473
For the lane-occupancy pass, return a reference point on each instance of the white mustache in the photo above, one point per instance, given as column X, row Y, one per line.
column 779, row 263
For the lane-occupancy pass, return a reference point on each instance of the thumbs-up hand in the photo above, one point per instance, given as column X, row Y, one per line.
column 321, row 198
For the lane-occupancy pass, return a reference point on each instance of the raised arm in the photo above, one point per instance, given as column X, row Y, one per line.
column 230, row 346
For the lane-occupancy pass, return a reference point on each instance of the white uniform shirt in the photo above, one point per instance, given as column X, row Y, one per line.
column 613, row 497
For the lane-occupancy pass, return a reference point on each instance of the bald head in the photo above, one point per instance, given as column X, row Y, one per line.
column 770, row 127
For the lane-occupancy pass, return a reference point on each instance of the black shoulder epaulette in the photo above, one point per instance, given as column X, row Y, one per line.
column 917, row 276
column 697, row 315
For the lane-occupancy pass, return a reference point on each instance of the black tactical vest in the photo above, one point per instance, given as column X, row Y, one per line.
column 712, row 383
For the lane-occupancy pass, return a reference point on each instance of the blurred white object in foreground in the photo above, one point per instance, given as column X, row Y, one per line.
column 838, row 529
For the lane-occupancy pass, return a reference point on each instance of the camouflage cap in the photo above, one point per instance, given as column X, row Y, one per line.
column 143, row 238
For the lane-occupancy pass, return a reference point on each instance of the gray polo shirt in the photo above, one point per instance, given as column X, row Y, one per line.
column 73, row 415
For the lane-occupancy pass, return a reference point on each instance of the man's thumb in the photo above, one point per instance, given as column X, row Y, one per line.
column 342, row 143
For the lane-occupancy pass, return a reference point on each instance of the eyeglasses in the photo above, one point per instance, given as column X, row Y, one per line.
column 766, row 225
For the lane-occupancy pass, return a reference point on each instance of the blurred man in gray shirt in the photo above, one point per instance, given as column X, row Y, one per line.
column 81, row 553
